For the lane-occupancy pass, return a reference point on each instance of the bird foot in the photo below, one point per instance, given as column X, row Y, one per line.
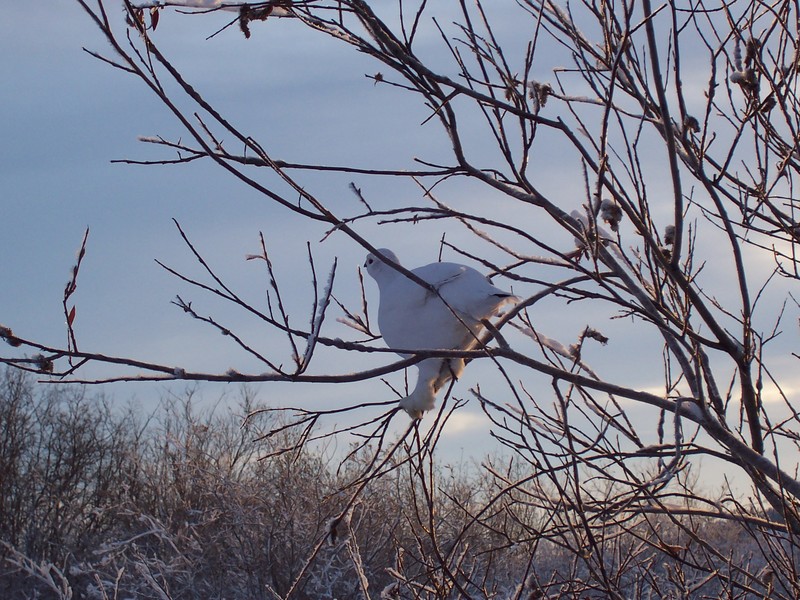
column 416, row 406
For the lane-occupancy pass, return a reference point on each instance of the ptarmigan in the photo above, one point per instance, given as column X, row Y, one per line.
column 411, row 317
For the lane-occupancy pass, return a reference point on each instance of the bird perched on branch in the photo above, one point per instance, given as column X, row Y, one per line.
column 447, row 315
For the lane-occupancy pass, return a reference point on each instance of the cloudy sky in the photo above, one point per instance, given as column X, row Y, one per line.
column 67, row 116
column 305, row 98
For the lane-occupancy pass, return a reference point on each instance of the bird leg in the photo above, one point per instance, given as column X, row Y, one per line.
column 430, row 379
column 450, row 369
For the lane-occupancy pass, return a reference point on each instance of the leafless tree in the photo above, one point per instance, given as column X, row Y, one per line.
column 680, row 121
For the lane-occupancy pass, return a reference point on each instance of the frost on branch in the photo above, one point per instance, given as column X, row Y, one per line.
column 639, row 130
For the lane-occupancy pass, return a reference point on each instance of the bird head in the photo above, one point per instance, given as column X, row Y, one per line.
column 374, row 265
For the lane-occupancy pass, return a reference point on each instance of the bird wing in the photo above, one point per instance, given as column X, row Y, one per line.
column 412, row 317
column 442, row 273
column 467, row 291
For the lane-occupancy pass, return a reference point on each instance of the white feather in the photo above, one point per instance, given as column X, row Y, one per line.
column 412, row 317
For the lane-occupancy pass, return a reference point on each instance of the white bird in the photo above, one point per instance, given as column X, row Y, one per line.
column 412, row 317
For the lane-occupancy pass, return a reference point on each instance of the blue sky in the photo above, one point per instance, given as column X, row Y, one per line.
column 67, row 115
column 305, row 98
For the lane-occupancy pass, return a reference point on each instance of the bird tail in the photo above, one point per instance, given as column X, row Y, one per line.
column 505, row 298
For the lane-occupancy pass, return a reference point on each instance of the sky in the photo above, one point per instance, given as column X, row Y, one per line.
column 66, row 116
